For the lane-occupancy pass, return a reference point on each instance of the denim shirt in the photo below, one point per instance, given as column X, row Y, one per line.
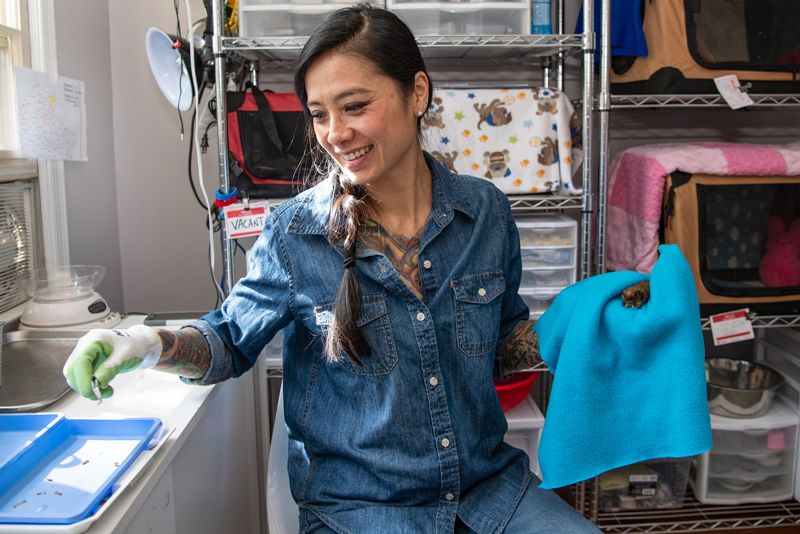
column 413, row 436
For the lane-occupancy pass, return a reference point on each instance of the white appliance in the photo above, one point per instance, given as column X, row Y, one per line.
column 64, row 298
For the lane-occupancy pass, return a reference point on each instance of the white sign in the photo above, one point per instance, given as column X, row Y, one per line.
column 245, row 222
column 731, row 327
column 732, row 91
column 52, row 116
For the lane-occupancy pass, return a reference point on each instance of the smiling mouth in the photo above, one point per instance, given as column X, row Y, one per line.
column 351, row 156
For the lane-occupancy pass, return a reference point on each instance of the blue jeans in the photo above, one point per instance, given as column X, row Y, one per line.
column 539, row 511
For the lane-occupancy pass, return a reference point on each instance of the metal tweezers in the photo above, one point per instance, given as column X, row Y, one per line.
column 96, row 390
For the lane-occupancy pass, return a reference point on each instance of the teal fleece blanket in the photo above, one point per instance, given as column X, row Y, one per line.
column 628, row 384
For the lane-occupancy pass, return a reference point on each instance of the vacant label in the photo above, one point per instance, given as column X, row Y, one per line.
column 244, row 222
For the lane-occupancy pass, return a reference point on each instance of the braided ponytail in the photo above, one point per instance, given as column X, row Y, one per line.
column 348, row 212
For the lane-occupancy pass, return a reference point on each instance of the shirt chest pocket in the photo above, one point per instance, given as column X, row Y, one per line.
column 373, row 321
column 477, row 301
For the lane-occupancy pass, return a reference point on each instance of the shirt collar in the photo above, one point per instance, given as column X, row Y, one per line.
column 313, row 206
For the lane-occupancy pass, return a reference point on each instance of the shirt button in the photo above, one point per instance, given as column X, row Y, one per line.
column 445, row 442
column 449, row 496
column 426, row 264
column 420, row 316
column 482, row 292
column 433, row 381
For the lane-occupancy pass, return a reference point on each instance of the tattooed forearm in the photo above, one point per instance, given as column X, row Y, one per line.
column 520, row 349
column 186, row 353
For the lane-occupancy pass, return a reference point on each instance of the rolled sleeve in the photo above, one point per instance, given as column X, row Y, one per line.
column 259, row 305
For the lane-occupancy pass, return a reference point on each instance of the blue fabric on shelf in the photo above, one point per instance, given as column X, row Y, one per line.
column 627, row 32
column 629, row 384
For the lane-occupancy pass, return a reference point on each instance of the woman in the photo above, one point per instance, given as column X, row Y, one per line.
column 395, row 283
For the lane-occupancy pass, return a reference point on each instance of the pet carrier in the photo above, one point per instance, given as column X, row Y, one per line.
column 741, row 237
column 691, row 42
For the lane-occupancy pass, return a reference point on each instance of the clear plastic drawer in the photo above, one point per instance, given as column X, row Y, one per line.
column 538, row 300
column 533, row 278
column 263, row 18
column 534, row 258
column 262, row 23
column 755, row 466
column 464, row 19
column 547, row 230
column 754, row 441
column 753, row 489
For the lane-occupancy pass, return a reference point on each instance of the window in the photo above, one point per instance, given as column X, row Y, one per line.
column 19, row 235
column 13, row 52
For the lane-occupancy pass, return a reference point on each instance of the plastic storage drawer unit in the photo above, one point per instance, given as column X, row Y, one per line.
column 752, row 461
column 525, row 422
column 647, row 485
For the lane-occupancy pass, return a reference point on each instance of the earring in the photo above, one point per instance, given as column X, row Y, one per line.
column 420, row 113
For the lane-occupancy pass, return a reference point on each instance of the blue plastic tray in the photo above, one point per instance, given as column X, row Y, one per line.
column 19, row 431
column 68, row 471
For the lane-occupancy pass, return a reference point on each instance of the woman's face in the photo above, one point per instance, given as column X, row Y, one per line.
column 362, row 119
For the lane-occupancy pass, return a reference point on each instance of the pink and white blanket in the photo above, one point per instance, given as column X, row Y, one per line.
column 636, row 188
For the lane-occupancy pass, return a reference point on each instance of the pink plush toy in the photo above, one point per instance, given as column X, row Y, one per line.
column 780, row 266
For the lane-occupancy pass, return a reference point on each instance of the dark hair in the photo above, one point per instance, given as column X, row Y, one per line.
column 380, row 37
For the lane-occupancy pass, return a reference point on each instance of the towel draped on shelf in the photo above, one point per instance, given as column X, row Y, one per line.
column 636, row 188
column 628, row 384
column 525, row 140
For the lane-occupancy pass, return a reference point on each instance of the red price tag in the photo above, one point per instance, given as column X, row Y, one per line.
column 731, row 327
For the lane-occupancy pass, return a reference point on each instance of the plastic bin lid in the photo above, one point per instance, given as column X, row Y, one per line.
column 779, row 415
column 525, row 415
column 546, row 219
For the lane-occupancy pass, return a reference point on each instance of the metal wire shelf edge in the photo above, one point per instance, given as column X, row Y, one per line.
column 763, row 321
column 709, row 511
column 694, row 516
column 711, row 100
column 699, row 527
column 565, row 41
column 519, row 203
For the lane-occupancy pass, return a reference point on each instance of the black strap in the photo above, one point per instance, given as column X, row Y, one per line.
column 265, row 114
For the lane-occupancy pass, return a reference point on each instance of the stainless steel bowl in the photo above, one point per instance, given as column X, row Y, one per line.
column 739, row 388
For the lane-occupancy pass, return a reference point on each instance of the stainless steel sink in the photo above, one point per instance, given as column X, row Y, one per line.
column 32, row 363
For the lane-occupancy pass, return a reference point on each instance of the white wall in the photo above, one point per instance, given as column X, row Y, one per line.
column 162, row 235
column 83, row 54
column 130, row 207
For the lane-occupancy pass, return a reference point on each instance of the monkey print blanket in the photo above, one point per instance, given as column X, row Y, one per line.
column 525, row 140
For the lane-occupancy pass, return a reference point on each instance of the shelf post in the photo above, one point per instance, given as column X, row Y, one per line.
column 604, row 107
column 587, row 105
column 220, row 83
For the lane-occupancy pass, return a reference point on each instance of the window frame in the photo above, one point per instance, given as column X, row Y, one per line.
column 39, row 52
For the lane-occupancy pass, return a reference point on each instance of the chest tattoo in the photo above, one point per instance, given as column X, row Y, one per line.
column 402, row 252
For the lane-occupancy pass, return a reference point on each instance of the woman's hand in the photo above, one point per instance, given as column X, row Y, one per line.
column 637, row 295
column 101, row 354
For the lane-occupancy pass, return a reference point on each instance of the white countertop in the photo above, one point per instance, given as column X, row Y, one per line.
column 145, row 393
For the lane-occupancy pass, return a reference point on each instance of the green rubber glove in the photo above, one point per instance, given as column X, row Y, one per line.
column 102, row 354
